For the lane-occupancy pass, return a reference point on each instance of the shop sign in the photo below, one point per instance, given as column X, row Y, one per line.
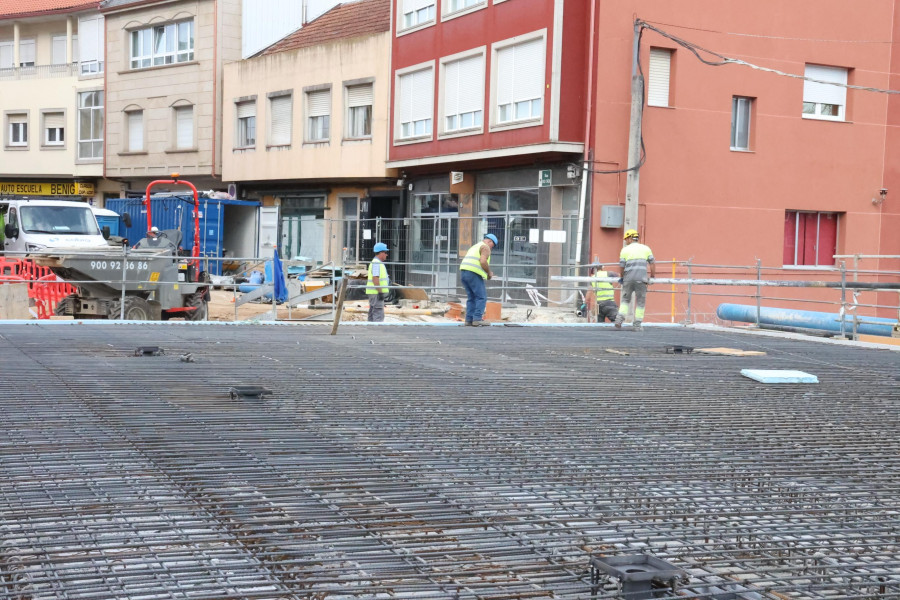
column 544, row 179
column 24, row 188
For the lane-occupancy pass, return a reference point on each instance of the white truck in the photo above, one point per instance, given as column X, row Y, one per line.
column 39, row 225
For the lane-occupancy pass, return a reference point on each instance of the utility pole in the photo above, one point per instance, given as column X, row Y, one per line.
column 634, row 135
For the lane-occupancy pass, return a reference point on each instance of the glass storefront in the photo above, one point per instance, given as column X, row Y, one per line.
column 512, row 215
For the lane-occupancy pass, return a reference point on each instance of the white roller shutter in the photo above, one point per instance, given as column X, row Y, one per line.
column 318, row 103
column 658, row 85
column 245, row 109
column 464, row 86
column 54, row 120
column 135, row 131
column 58, row 50
column 823, row 93
column 18, row 118
column 184, row 127
column 414, row 5
column 528, row 78
column 6, row 55
column 281, row 120
column 26, row 52
column 90, row 38
column 416, row 96
column 359, row 95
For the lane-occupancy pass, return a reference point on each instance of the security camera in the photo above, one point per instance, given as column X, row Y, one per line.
column 883, row 191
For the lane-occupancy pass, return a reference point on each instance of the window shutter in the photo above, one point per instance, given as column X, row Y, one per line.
column 414, row 5
column 245, row 109
column 464, row 85
column 359, row 95
column 281, row 120
column 90, row 38
column 505, row 70
column 318, row 103
column 20, row 118
column 423, row 95
column 406, row 97
column 6, row 55
column 528, row 74
column 822, row 92
column 658, row 86
column 54, row 120
column 184, row 126
column 58, row 50
column 135, row 131
column 451, row 88
column 26, row 51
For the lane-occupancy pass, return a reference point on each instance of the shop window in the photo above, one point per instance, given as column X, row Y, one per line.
column 810, row 238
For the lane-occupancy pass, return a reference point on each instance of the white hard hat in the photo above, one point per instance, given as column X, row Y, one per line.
column 154, row 229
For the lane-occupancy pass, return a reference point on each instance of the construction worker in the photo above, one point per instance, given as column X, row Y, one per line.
column 607, row 309
column 633, row 262
column 474, row 270
column 377, row 283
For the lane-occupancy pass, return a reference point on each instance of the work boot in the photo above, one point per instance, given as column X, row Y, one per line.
column 619, row 321
column 637, row 326
column 468, row 323
column 479, row 324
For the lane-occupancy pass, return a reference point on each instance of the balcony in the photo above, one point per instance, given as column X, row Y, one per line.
column 85, row 70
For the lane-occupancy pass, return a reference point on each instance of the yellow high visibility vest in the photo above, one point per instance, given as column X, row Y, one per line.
column 472, row 260
column 604, row 289
column 382, row 279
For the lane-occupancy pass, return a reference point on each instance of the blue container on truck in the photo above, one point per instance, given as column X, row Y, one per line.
column 176, row 212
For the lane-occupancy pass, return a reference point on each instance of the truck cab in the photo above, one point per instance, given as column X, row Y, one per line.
column 39, row 225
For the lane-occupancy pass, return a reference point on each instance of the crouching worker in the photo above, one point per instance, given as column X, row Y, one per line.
column 607, row 309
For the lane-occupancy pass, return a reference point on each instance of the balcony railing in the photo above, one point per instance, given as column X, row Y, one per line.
column 86, row 69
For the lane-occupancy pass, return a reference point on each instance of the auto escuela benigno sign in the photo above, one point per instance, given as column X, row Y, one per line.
column 68, row 188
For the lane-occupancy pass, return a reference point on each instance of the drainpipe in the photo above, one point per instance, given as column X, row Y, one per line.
column 588, row 121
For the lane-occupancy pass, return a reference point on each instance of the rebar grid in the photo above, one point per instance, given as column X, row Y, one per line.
column 403, row 462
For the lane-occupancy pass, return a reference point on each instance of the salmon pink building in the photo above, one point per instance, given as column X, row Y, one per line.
column 788, row 160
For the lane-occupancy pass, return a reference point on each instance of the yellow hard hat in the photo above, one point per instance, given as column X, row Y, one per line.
column 631, row 233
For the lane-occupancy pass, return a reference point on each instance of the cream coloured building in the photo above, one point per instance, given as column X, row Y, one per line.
column 305, row 131
column 52, row 101
column 164, row 82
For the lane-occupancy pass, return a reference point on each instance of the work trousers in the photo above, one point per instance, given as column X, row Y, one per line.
column 639, row 290
column 607, row 310
column 476, row 295
column 376, row 309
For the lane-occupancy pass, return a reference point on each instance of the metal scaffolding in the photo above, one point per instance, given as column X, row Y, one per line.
column 442, row 462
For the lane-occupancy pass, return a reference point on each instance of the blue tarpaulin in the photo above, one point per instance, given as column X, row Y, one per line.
column 280, row 293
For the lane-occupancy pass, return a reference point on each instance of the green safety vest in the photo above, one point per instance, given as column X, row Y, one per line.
column 472, row 260
column 382, row 278
column 604, row 289
column 634, row 258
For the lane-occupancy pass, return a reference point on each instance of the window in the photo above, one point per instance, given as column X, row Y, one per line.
column 513, row 213
column 658, row 84
column 463, row 82
column 17, row 125
column 810, row 238
column 58, row 50
column 26, row 53
column 359, row 111
column 455, row 5
column 90, row 125
column 6, row 55
column 416, row 103
column 89, row 53
column 135, row 121
column 162, row 45
column 350, row 208
column 280, row 119
column 184, row 127
column 823, row 100
column 54, row 128
column 434, row 237
column 318, row 115
column 246, row 124
column 740, row 122
column 417, row 12
column 520, row 81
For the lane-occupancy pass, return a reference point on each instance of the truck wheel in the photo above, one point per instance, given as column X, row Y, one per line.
column 136, row 309
column 197, row 300
column 62, row 307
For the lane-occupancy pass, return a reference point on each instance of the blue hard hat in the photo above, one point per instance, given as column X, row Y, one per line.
column 380, row 247
column 493, row 238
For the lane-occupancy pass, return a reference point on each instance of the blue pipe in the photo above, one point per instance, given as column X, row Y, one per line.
column 806, row 319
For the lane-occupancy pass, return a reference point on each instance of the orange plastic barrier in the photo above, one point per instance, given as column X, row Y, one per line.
column 44, row 287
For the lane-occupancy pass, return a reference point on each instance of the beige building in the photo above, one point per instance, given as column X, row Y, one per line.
column 164, row 82
column 52, row 101
column 305, row 131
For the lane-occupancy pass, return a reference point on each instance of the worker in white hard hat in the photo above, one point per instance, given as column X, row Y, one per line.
column 634, row 260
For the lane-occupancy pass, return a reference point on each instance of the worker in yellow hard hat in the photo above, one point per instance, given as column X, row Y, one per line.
column 634, row 261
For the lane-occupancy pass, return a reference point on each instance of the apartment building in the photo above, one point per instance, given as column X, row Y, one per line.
column 747, row 163
column 487, row 121
column 164, row 88
column 52, row 100
column 306, row 130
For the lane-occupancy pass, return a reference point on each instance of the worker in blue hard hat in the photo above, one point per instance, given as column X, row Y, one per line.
column 474, row 270
column 377, row 283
